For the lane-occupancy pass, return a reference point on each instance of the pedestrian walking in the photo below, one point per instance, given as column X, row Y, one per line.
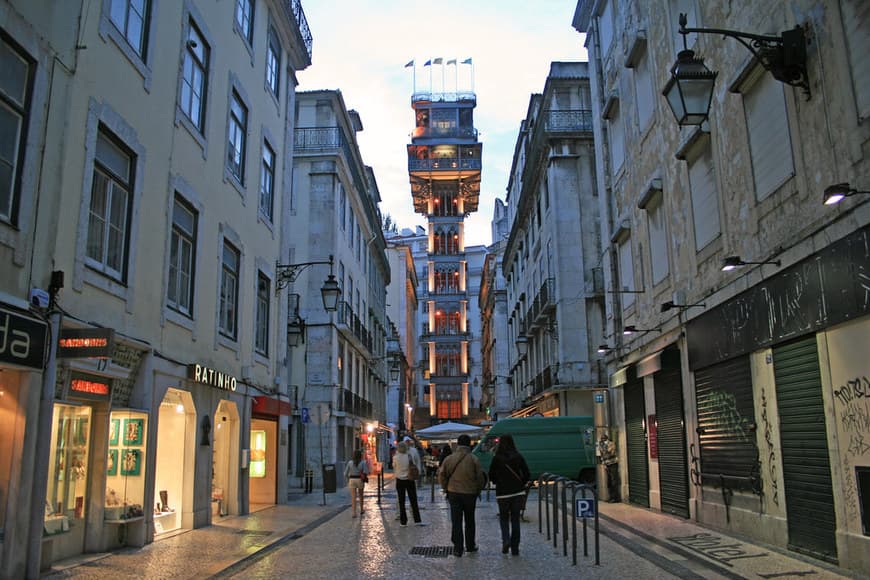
column 607, row 453
column 510, row 474
column 356, row 473
column 462, row 478
column 405, row 485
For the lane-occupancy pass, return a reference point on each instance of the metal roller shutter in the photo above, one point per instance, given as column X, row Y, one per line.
column 673, row 478
column 635, row 435
column 805, row 459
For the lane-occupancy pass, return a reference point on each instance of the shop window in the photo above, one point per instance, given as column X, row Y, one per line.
column 258, row 453
column 125, row 465
column 68, row 469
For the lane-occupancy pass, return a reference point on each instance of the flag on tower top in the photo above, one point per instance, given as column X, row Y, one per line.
column 466, row 61
column 451, row 61
column 437, row 60
column 427, row 63
column 410, row 63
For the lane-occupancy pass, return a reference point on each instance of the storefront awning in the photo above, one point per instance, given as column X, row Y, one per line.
column 269, row 406
column 649, row 364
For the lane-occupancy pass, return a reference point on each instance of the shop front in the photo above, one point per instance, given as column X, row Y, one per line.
column 264, row 469
column 174, row 464
column 23, row 350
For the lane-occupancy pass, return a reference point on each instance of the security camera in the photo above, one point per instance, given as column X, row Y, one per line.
column 38, row 298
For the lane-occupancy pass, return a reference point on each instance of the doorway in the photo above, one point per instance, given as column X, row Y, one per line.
column 173, row 482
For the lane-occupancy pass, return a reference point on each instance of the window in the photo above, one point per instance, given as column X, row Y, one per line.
column 658, row 240
column 194, row 77
column 267, row 182
column 605, row 28
column 182, row 247
column 238, row 136
column 626, row 271
column 261, row 332
column 109, row 215
column 273, row 63
column 617, row 141
column 229, row 297
column 769, row 139
column 131, row 18
column 643, row 90
column 705, row 203
column 342, row 206
column 15, row 93
column 245, row 19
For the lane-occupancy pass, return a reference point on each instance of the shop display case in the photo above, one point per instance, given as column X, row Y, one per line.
column 68, row 469
column 125, row 463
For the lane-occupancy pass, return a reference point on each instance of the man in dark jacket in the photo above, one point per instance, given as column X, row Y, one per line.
column 462, row 478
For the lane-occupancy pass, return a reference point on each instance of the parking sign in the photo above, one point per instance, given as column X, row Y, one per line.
column 586, row 507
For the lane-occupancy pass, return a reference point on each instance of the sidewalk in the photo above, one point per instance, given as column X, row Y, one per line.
column 310, row 540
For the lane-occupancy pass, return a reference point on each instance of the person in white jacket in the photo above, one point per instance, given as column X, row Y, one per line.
column 404, row 484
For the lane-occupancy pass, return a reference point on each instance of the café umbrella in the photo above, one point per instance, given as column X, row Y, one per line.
column 448, row 430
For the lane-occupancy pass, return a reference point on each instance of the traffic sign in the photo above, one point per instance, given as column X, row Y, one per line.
column 585, row 507
column 306, row 418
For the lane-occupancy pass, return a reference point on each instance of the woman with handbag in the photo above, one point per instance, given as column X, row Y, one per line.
column 404, row 465
column 510, row 474
column 356, row 472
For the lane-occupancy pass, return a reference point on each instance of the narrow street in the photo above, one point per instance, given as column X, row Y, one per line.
column 307, row 540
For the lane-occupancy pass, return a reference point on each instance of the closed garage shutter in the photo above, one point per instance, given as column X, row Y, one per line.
column 673, row 478
column 805, row 460
column 638, row 471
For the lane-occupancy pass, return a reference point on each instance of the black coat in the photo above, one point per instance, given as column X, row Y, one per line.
column 506, row 483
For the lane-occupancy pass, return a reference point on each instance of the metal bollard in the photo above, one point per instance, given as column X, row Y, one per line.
column 565, row 483
column 540, row 498
column 379, row 483
column 574, row 522
column 432, row 497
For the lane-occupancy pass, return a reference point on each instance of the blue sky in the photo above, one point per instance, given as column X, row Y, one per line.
column 361, row 47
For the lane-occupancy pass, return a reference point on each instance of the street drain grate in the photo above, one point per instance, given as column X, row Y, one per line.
column 432, row 551
column 259, row 533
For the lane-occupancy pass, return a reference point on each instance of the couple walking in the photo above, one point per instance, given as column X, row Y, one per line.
column 462, row 478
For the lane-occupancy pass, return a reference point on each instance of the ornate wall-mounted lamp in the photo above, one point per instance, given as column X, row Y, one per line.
column 522, row 345
column 689, row 91
column 330, row 291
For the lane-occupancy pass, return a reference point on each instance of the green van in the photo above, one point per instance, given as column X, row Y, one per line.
column 560, row 445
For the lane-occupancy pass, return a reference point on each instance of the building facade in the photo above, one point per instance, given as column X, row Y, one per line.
column 444, row 165
column 551, row 259
column 146, row 195
column 736, row 313
column 340, row 372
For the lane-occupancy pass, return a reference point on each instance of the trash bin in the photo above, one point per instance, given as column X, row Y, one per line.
column 329, row 478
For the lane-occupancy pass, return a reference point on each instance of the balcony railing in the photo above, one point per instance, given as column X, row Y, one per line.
column 572, row 121
column 294, row 10
column 446, row 132
column 351, row 403
column 445, row 164
column 544, row 302
column 347, row 317
column 327, row 140
column 443, row 97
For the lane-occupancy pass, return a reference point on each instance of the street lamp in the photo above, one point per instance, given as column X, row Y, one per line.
column 689, row 91
column 522, row 345
column 329, row 292
column 295, row 331
column 732, row 262
column 840, row 191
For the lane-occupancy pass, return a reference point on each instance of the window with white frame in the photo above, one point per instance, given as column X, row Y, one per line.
column 605, row 27
column 626, row 271
column 194, row 75
column 261, row 332
column 643, row 90
column 238, row 136
column 267, row 181
column 131, row 18
column 705, row 197
column 658, row 239
column 769, row 137
column 273, row 63
column 617, row 140
column 111, row 200
column 228, row 315
column 15, row 96
column 182, row 249
column 245, row 19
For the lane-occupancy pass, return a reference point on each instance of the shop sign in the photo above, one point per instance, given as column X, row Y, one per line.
column 85, row 343
column 208, row 376
column 22, row 339
column 90, row 386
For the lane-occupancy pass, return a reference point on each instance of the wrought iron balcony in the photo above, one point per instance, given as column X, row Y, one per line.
column 293, row 8
column 445, row 164
column 447, row 133
column 330, row 140
column 572, row 121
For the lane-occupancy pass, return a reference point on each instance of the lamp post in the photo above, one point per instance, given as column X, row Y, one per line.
column 689, row 91
column 330, row 292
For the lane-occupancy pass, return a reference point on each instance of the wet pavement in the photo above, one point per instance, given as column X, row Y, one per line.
column 305, row 539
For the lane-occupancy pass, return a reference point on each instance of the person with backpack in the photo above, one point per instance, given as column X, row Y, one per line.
column 404, row 465
column 510, row 474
